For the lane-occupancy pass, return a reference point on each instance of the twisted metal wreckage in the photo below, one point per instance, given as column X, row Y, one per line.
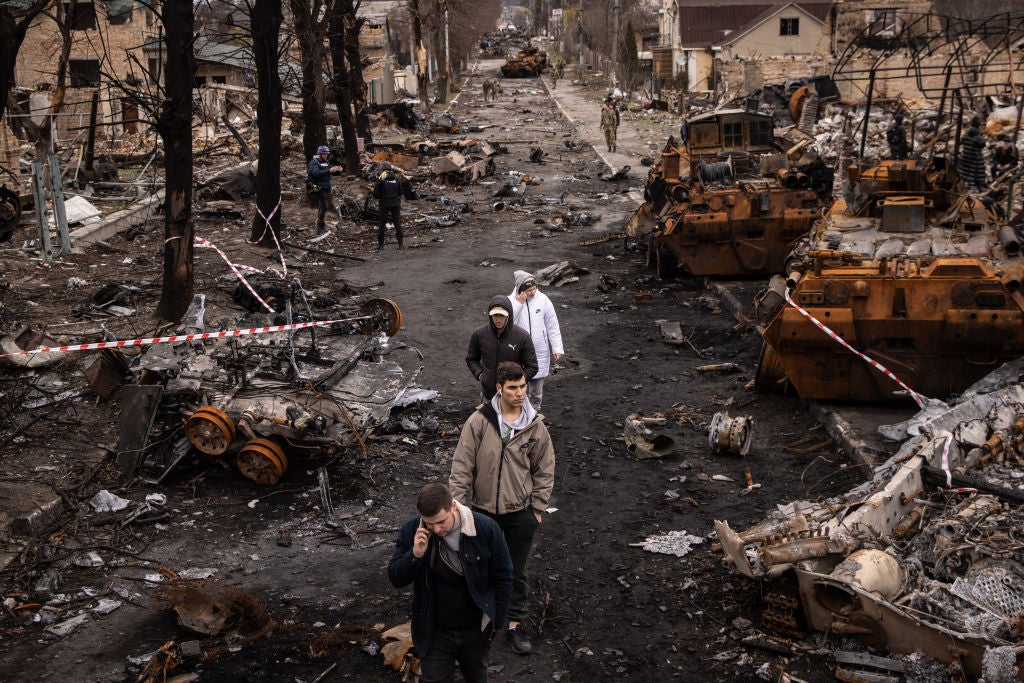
column 318, row 389
column 928, row 555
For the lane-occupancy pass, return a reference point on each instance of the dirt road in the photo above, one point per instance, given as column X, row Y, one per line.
column 602, row 608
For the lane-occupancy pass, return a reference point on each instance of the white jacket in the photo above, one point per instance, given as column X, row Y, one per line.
column 537, row 316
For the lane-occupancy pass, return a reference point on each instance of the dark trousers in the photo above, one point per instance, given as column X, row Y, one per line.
column 323, row 197
column 447, row 646
column 519, row 529
column 392, row 214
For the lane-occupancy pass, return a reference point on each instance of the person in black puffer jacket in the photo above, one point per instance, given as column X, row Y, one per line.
column 499, row 340
column 389, row 190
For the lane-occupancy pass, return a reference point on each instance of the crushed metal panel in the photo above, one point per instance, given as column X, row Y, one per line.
column 139, row 404
column 904, row 566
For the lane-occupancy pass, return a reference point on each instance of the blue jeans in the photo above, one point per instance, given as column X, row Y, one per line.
column 447, row 646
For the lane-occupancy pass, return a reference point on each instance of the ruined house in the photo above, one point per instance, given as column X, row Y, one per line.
column 105, row 36
column 735, row 46
column 926, row 46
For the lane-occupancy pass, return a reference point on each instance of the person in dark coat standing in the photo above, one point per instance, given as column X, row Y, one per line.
column 897, row 139
column 461, row 571
column 320, row 172
column 499, row 340
column 971, row 164
column 389, row 190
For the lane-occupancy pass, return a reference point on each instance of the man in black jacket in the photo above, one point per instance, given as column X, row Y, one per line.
column 499, row 340
column 389, row 190
column 461, row 572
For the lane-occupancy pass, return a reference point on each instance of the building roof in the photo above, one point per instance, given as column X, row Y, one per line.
column 704, row 23
column 238, row 56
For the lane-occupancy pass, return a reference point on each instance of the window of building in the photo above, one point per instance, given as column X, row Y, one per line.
column 761, row 133
column 154, row 70
column 789, row 27
column 223, row 80
column 123, row 18
column 882, row 23
column 732, row 134
column 83, row 16
column 198, row 81
column 84, row 73
column 703, row 134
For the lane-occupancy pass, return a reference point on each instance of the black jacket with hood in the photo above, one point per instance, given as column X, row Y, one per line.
column 489, row 346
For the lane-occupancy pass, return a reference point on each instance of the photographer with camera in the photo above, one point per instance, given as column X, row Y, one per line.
column 318, row 180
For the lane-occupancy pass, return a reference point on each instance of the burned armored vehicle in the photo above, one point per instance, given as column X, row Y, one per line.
column 924, row 557
column 528, row 63
column 301, row 387
column 903, row 272
column 727, row 200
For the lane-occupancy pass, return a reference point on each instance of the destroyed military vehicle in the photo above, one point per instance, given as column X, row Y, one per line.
column 313, row 388
column 528, row 63
column 917, row 276
column 924, row 557
column 727, row 201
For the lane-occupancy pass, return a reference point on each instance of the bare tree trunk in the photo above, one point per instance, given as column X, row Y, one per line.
column 12, row 35
column 340, row 88
column 266, row 28
column 354, row 61
column 310, row 34
column 421, row 56
column 44, row 143
column 174, row 123
column 439, row 42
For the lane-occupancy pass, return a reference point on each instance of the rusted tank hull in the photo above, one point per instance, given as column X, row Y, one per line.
column 912, row 275
column 938, row 329
column 727, row 202
column 743, row 231
column 527, row 64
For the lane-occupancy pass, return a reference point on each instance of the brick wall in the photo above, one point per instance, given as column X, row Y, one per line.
column 105, row 47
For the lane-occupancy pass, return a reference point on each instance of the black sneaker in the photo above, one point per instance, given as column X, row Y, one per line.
column 518, row 641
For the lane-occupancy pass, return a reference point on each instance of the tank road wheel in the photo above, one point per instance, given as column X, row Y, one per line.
column 386, row 316
column 263, row 461
column 210, row 430
column 770, row 377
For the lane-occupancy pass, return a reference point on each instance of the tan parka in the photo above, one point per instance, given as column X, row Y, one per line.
column 496, row 479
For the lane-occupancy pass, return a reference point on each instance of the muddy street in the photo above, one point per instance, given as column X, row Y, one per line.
column 602, row 607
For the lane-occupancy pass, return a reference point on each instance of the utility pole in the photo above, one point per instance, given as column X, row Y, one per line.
column 615, row 44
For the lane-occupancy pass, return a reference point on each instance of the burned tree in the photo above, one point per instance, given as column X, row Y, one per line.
column 266, row 27
column 12, row 34
column 310, row 31
column 340, row 87
column 419, row 50
column 352, row 24
column 174, row 124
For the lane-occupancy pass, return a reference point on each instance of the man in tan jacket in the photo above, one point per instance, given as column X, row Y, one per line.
column 504, row 467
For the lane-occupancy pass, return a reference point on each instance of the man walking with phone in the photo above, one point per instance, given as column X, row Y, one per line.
column 461, row 573
column 504, row 467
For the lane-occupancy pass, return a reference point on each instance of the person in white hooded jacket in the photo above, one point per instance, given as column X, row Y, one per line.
column 533, row 312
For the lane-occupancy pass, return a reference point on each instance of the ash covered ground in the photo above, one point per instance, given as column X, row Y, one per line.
column 602, row 607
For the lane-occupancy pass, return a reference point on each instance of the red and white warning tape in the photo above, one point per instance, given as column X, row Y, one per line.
column 918, row 398
column 207, row 244
column 949, row 474
column 146, row 341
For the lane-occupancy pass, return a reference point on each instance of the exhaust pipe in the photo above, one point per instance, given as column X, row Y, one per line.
column 1013, row 277
column 498, row 206
column 1008, row 238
